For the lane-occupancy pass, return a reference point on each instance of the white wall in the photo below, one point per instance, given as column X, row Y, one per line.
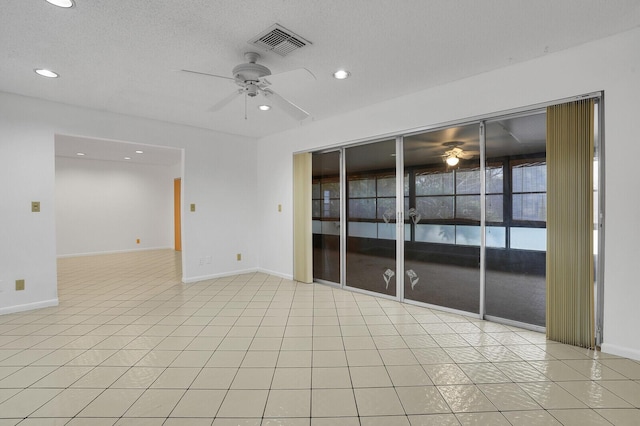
column 610, row 64
column 27, row 240
column 219, row 177
column 105, row 206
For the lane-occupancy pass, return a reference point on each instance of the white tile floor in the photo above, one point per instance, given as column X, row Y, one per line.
column 131, row 345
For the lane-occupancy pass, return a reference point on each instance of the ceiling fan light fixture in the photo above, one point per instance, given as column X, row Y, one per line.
column 46, row 73
column 341, row 74
column 252, row 90
column 62, row 3
column 452, row 160
column 264, row 107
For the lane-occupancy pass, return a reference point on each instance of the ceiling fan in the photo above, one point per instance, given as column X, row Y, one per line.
column 453, row 155
column 250, row 76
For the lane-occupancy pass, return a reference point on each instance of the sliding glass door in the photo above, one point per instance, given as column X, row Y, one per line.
column 370, row 192
column 442, row 247
column 325, row 197
column 453, row 217
column 516, row 234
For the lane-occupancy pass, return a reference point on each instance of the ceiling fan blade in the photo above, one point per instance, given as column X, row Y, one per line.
column 208, row 75
column 466, row 155
column 263, row 83
column 299, row 75
column 219, row 105
column 287, row 106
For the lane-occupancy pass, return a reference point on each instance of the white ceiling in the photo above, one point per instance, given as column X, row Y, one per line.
column 108, row 150
column 126, row 56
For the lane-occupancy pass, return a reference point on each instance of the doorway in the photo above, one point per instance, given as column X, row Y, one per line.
column 113, row 196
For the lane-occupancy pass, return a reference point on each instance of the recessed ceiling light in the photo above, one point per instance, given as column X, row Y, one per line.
column 80, row 154
column 139, row 152
column 341, row 74
column 46, row 73
column 264, row 107
column 61, row 3
column 127, row 158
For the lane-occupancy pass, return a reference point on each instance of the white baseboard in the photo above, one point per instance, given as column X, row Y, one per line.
column 97, row 253
column 620, row 351
column 189, row 280
column 29, row 306
column 276, row 274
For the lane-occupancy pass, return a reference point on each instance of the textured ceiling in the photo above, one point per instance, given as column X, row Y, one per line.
column 126, row 57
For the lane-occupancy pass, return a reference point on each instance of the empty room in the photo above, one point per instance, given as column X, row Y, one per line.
column 319, row 213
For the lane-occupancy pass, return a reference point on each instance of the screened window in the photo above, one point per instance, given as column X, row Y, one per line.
column 529, row 191
column 373, row 197
column 455, row 194
column 325, row 198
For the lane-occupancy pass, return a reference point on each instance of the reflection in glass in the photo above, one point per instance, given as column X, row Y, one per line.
column 468, row 235
column 443, row 234
column 495, row 236
column 515, row 286
column 371, row 217
column 325, row 194
column 529, row 239
column 442, row 248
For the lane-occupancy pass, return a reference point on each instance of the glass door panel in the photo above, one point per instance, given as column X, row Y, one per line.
column 326, row 216
column 370, row 172
column 442, row 221
column 516, row 184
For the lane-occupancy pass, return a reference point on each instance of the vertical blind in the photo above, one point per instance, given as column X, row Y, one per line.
column 570, row 259
column 302, row 213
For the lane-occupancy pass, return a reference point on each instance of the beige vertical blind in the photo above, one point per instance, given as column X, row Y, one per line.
column 570, row 280
column 302, row 232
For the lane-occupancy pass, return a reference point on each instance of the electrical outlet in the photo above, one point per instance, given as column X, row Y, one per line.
column 35, row 206
column 138, row 241
column 193, row 207
column 239, row 257
column 201, row 261
column 19, row 285
column 279, row 207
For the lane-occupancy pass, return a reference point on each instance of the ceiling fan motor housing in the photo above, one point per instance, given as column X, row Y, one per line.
column 250, row 72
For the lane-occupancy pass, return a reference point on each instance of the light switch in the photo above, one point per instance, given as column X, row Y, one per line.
column 279, row 207
column 193, row 207
column 35, row 206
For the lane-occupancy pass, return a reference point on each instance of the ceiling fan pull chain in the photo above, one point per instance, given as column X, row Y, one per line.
column 245, row 106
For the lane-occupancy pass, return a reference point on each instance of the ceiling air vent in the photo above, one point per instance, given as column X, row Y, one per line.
column 279, row 40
